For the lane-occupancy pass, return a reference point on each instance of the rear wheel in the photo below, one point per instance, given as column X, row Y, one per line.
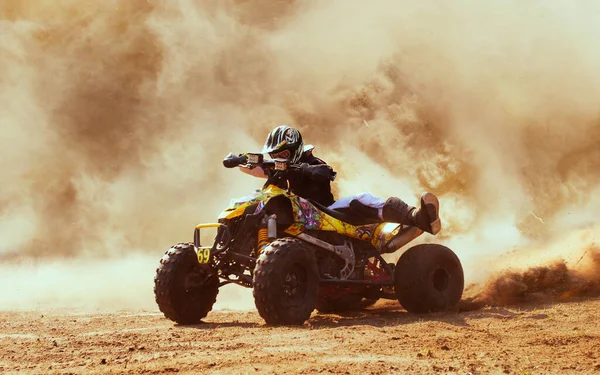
column 429, row 278
column 184, row 290
column 286, row 282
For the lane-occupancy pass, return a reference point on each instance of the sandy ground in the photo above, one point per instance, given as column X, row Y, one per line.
column 559, row 338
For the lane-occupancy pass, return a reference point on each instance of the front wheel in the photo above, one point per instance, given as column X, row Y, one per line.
column 286, row 282
column 185, row 290
column 429, row 278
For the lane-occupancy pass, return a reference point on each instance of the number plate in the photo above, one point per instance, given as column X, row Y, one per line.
column 203, row 255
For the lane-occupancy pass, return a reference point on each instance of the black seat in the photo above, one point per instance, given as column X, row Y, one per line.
column 346, row 216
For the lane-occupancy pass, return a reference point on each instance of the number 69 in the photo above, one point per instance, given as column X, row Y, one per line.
column 203, row 255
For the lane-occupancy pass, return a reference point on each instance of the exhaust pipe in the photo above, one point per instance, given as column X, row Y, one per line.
column 401, row 239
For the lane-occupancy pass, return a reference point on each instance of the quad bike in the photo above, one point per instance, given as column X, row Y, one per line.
column 298, row 256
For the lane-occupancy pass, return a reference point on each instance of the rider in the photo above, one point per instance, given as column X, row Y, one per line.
column 313, row 181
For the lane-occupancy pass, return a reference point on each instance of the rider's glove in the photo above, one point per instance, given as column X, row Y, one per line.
column 232, row 161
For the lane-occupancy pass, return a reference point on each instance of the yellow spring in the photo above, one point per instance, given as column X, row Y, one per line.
column 263, row 238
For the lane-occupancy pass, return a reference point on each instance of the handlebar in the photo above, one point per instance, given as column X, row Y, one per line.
column 279, row 166
column 257, row 160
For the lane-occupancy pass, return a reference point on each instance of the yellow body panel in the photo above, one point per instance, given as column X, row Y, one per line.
column 383, row 233
column 238, row 207
column 308, row 217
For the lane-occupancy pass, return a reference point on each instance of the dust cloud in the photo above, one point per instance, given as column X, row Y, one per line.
column 115, row 116
column 556, row 280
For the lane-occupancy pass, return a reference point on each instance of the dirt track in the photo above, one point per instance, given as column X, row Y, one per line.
column 562, row 338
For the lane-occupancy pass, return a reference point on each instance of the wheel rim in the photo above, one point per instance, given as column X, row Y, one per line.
column 193, row 282
column 294, row 285
column 441, row 279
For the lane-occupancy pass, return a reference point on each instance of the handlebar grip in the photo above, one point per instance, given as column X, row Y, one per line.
column 232, row 161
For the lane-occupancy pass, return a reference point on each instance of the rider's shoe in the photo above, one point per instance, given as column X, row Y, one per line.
column 425, row 217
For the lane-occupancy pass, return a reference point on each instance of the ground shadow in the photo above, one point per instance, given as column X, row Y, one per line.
column 387, row 314
column 391, row 314
column 212, row 325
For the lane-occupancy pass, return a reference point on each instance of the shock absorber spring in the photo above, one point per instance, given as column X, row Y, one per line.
column 263, row 238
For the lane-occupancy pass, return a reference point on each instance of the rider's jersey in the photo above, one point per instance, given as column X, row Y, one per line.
column 316, row 189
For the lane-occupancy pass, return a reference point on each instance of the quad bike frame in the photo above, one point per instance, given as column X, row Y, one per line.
column 334, row 259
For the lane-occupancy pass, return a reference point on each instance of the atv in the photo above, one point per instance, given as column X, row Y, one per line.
column 298, row 256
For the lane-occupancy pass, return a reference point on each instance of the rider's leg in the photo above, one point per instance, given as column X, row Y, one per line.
column 367, row 199
column 396, row 210
column 425, row 217
column 365, row 205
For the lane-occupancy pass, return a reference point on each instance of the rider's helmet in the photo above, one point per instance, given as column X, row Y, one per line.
column 284, row 142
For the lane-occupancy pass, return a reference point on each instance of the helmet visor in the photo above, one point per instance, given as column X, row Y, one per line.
column 285, row 154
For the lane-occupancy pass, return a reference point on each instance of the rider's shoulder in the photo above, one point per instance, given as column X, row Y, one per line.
column 308, row 149
column 309, row 157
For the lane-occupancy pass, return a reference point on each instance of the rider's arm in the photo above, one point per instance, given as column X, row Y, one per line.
column 317, row 169
column 319, row 172
column 256, row 172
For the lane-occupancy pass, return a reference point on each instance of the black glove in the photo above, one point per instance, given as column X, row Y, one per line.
column 320, row 172
column 232, row 161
